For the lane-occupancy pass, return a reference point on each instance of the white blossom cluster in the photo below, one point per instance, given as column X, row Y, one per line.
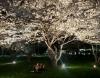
column 81, row 18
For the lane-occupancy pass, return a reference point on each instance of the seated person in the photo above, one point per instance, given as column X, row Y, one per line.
column 39, row 67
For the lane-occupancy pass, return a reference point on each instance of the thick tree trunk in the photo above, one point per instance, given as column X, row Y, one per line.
column 55, row 62
column 52, row 57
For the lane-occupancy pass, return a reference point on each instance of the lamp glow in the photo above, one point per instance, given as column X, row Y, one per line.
column 94, row 66
column 63, row 66
column 14, row 62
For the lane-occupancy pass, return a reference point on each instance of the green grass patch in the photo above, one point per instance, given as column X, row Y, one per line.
column 22, row 69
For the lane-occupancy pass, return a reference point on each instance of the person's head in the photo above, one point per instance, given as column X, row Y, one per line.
column 37, row 64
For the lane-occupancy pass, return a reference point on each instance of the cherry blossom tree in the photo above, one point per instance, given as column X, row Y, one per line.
column 56, row 22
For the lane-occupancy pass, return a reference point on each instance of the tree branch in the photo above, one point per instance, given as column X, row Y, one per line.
column 69, row 41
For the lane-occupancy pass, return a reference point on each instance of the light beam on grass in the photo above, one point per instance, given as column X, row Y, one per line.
column 13, row 62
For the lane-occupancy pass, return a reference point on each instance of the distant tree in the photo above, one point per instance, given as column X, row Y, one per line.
column 96, row 52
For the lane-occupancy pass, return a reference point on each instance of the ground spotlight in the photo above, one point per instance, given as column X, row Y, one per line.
column 94, row 66
column 63, row 66
column 14, row 62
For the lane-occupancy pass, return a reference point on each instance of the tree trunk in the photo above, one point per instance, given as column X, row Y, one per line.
column 29, row 56
column 53, row 58
column 2, row 51
column 99, row 60
column 54, row 62
column 95, row 55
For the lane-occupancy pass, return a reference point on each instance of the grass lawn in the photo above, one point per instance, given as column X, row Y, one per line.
column 22, row 69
